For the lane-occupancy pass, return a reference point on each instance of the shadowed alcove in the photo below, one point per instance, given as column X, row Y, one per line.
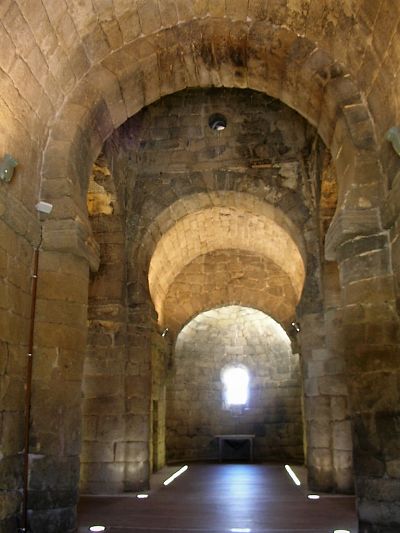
column 234, row 336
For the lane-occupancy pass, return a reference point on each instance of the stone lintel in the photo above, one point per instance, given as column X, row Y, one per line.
column 348, row 224
column 74, row 237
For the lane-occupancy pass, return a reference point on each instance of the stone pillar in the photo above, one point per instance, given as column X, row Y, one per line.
column 102, row 471
column 371, row 335
column 327, row 425
column 161, row 350
column 135, row 451
column 60, row 342
column 341, row 437
column 102, row 466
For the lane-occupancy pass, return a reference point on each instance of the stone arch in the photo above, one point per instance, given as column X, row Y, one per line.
column 226, row 337
column 292, row 68
column 229, row 277
column 211, row 52
column 187, row 230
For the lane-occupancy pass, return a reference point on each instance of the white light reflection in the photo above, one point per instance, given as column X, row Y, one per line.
column 240, row 530
column 313, row 497
column 97, row 528
column 342, row 531
column 142, row 496
column 296, row 480
column 174, row 476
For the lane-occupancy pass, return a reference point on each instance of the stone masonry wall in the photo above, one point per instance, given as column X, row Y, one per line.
column 19, row 231
column 124, row 372
column 174, row 153
column 103, row 380
column 195, row 412
column 229, row 276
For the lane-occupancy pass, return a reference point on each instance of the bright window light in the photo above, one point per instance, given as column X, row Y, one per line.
column 142, row 496
column 313, row 497
column 174, row 476
column 296, row 480
column 97, row 528
column 236, row 382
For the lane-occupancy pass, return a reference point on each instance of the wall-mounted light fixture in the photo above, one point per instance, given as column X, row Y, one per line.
column 44, row 207
column 7, row 165
column 296, row 327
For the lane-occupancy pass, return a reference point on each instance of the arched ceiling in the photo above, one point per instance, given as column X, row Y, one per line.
column 263, row 232
column 73, row 71
column 226, row 277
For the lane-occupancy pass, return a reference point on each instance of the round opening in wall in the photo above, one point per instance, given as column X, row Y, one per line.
column 217, row 122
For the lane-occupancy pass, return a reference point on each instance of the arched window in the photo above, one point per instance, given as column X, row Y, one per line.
column 236, row 385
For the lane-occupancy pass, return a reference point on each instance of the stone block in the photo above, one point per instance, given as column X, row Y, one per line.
column 375, row 263
column 103, row 473
column 137, row 476
column 57, row 286
column 343, row 474
column 137, row 427
column 393, row 468
column 53, row 520
column 128, row 20
column 342, row 437
column 236, row 10
column 12, row 426
column 314, row 369
column 132, row 452
column 109, row 405
column 362, row 244
column 185, row 10
column 372, row 290
column 11, row 394
column 320, row 471
column 348, row 224
column 357, row 118
column 103, row 386
column 200, row 8
column 98, row 452
column 318, row 409
column 53, row 472
column 332, row 385
column 110, row 428
column 216, row 9
column 89, row 428
column 311, row 387
column 136, row 405
column 63, row 336
column 385, row 490
column 9, row 505
column 168, row 12
column 149, row 15
column 319, row 434
column 339, row 407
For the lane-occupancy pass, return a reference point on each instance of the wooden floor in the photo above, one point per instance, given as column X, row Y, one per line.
column 235, row 498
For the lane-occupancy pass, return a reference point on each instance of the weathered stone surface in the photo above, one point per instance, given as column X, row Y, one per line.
column 233, row 335
column 335, row 63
